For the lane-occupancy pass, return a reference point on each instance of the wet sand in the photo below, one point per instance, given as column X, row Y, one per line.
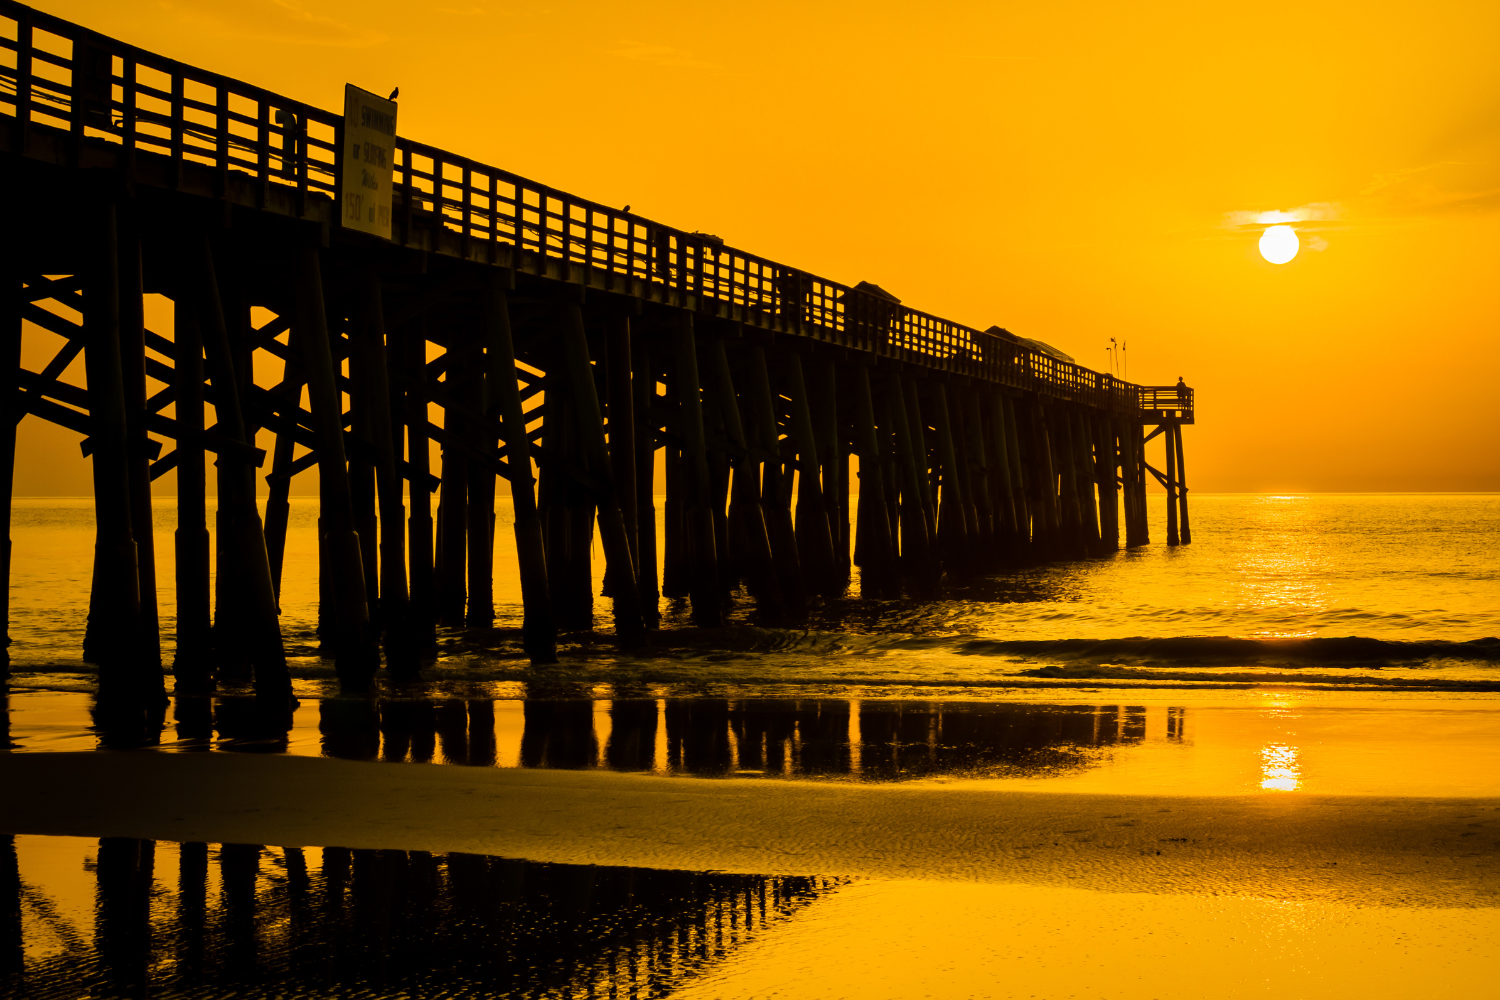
column 1357, row 850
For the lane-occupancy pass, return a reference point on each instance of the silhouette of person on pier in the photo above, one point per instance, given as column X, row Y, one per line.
column 1182, row 390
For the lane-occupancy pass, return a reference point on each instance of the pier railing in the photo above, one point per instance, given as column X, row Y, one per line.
column 1161, row 403
column 61, row 76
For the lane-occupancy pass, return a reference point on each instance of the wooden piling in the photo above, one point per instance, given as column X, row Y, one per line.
column 279, row 506
column 412, row 386
column 953, row 503
column 833, row 462
column 1007, row 526
column 1073, row 539
column 582, row 389
column 698, row 521
column 814, row 533
column 1086, row 478
column 764, row 435
column 1049, row 483
column 133, row 368
column 1106, row 461
column 193, row 665
column 620, row 404
column 1020, row 481
column 1185, row 532
column 727, row 560
column 356, row 657
column 480, row 525
column 927, row 468
column 538, row 629
column 402, row 661
column 465, row 363
column 979, row 478
column 254, row 623
column 362, row 460
column 12, row 301
column 746, row 516
column 675, row 572
column 1173, row 538
column 567, row 509
column 879, row 576
column 643, row 387
column 1138, row 532
column 112, row 639
column 918, row 560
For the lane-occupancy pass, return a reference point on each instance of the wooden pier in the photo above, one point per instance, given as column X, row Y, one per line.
column 564, row 343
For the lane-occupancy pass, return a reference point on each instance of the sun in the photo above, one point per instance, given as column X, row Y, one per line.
column 1279, row 244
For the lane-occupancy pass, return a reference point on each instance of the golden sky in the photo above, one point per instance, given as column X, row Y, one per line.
column 1070, row 171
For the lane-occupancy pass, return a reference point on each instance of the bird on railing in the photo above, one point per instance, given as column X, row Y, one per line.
column 625, row 209
column 394, row 94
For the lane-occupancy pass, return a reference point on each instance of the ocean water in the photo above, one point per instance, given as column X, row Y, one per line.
column 1391, row 592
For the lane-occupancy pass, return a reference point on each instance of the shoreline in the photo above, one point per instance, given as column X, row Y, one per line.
column 601, row 681
column 1356, row 850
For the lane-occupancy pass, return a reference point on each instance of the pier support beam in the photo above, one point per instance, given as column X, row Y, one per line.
column 11, row 301
column 764, row 435
column 133, row 368
column 879, row 576
column 464, row 365
column 698, row 521
column 643, row 388
column 1173, row 538
column 620, row 403
column 401, row 657
column 584, row 394
column 193, row 666
column 356, row 657
column 954, row 530
column 254, row 622
column 113, row 637
column 411, row 347
column 919, row 562
column 538, row 629
column 1185, row 532
column 747, row 520
column 814, row 535
column 1106, row 459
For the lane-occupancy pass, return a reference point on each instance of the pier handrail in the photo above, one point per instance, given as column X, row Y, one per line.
column 1169, row 402
column 95, row 87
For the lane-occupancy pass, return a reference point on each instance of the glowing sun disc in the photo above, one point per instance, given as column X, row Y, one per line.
column 1279, row 244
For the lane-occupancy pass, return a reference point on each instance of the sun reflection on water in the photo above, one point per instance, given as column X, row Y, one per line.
column 1283, row 575
column 1279, row 768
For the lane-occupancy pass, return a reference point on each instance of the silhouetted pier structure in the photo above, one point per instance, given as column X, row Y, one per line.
column 553, row 334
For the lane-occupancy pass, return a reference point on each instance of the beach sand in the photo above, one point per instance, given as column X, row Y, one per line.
column 1350, row 850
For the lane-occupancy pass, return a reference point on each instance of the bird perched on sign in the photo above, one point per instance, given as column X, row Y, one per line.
column 394, row 94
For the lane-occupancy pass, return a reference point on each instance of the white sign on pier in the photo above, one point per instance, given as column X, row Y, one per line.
column 369, row 155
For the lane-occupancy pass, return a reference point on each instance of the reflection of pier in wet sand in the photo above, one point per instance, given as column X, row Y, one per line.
column 824, row 738
column 223, row 919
